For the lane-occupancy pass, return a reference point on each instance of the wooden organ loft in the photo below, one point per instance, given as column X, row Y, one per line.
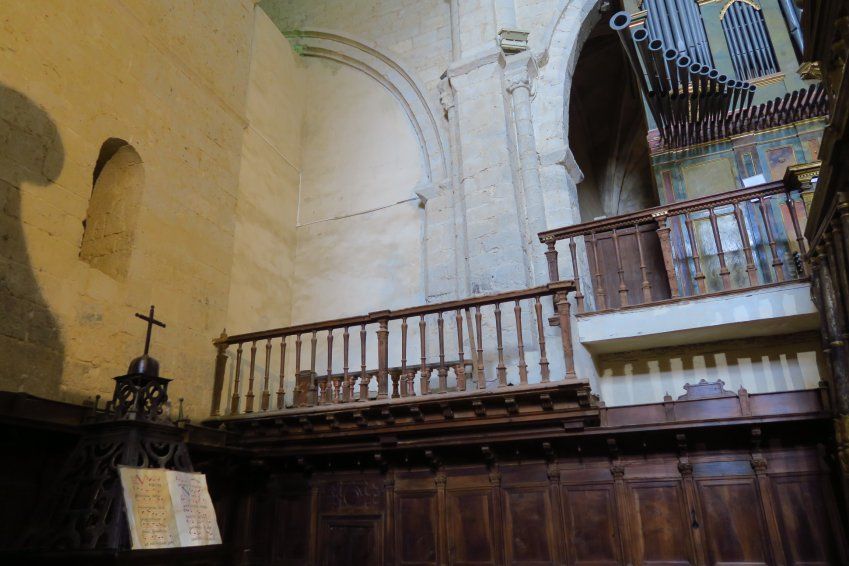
column 462, row 433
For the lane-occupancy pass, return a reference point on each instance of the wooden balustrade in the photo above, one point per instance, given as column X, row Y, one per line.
column 732, row 240
column 460, row 360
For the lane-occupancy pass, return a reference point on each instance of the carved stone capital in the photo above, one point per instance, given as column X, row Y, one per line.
column 514, row 83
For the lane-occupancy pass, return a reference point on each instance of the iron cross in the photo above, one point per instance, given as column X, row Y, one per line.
column 150, row 322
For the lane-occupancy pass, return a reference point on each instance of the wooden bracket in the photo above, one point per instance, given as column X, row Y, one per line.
column 306, row 424
column 388, row 417
column 360, row 419
column 479, row 408
column 416, row 413
column 447, row 411
column 512, row 406
column 545, row 402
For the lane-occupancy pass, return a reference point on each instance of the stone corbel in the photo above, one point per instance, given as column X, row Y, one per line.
column 563, row 156
column 426, row 190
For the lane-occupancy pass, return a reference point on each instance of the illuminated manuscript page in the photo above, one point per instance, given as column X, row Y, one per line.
column 149, row 509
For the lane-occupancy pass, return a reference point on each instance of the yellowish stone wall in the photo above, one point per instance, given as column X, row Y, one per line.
column 175, row 80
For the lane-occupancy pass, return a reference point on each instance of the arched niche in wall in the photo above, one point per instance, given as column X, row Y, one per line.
column 117, row 185
column 607, row 130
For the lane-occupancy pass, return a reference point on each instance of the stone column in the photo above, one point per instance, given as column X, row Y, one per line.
column 532, row 218
column 458, row 200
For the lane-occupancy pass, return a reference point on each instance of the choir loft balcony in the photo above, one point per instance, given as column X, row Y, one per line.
column 726, row 266
column 492, row 362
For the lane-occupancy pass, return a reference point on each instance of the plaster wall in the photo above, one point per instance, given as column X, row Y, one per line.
column 271, row 167
column 360, row 223
column 760, row 365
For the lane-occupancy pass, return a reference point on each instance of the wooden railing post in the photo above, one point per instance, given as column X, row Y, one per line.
column 663, row 230
column 561, row 301
column 551, row 259
column 382, row 319
column 220, row 368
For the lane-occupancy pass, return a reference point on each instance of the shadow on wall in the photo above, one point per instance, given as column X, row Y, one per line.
column 31, row 155
column 761, row 365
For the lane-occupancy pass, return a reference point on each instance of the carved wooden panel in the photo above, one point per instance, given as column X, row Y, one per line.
column 416, row 527
column 471, row 538
column 802, row 509
column 352, row 496
column 661, row 523
column 527, row 522
column 592, row 535
column 732, row 521
column 350, row 541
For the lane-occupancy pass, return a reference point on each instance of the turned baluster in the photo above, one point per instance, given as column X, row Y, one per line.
column 579, row 296
column 249, row 398
column 551, row 259
column 501, row 370
column 600, row 295
column 281, row 393
column 333, row 394
column 266, row 394
column 646, row 285
column 460, row 370
column 383, row 358
column 800, row 238
column 425, row 372
column 234, row 403
column 298, row 343
column 663, row 231
column 563, row 307
column 313, row 345
column 623, row 289
column 396, row 381
column 405, row 380
column 220, row 370
column 751, row 269
column 777, row 263
column 724, row 274
column 479, row 370
column 697, row 262
column 443, row 371
column 523, row 367
column 363, row 377
column 346, row 378
column 543, row 359
column 298, row 394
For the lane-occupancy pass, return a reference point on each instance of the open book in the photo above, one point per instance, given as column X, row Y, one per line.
column 167, row 509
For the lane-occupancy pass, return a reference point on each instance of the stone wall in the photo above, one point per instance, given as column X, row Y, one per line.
column 151, row 74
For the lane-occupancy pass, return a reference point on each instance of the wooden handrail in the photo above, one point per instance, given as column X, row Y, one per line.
column 669, row 257
column 315, row 386
column 409, row 312
column 649, row 214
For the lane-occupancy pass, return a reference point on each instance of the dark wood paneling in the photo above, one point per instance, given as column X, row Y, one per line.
column 415, row 535
column 732, row 520
column 802, row 508
column 471, row 539
column 290, row 536
column 661, row 523
column 527, row 522
column 351, row 541
column 592, row 533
